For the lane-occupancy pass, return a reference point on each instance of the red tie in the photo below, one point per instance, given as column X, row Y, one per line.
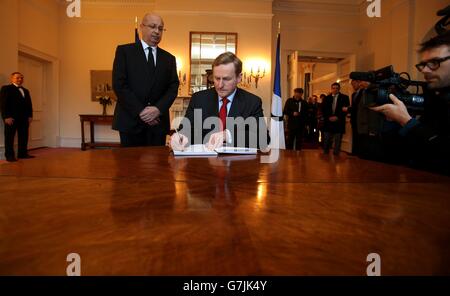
column 223, row 113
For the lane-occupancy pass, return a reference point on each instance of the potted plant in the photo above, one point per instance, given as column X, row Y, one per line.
column 104, row 101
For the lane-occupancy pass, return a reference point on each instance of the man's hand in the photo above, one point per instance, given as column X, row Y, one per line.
column 333, row 118
column 9, row 121
column 344, row 109
column 216, row 140
column 30, row 119
column 153, row 122
column 178, row 142
column 296, row 114
column 149, row 114
column 395, row 112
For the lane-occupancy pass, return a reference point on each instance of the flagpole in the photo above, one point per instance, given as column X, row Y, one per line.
column 136, row 34
column 276, row 121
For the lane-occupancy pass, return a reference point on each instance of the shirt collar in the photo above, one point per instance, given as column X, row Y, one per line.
column 145, row 45
column 16, row 85
column 230, row 97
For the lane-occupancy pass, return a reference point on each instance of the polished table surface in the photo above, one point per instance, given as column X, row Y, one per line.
column 141, row 211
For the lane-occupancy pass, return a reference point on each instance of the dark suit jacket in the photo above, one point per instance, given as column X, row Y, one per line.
column 13, row 104
column 327, row 111
column 356, row 99
column 244, row 105
column 291, row 106
column 137, row 87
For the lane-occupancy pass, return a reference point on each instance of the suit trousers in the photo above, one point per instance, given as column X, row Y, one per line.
column 148, row 136
column 328, row 142
column 21, row 127
column 295, row 136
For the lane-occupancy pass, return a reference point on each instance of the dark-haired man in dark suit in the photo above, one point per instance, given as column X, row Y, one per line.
column 146, row 84
column 335, row 107
column 296, row 110
column 17, row 114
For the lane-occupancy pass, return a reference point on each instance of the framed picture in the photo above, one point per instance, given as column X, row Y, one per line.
column 101, row 85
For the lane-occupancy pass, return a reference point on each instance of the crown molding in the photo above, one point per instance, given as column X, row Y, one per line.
column 216, row 14
column 349, row 7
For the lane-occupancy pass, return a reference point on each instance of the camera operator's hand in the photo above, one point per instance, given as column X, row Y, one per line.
column 395, row 112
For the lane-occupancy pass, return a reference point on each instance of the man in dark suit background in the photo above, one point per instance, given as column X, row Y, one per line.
column 219, row 106
column 335, row 107
column 296, row 110
column 146, row 84
column 17, row 114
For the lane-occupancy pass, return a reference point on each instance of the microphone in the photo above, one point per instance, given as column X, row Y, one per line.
column 364, row 76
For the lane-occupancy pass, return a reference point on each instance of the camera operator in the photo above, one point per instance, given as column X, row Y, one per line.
column 428, row 138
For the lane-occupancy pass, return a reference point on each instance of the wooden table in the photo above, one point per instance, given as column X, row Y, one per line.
column 95, row 119
column 140, row 211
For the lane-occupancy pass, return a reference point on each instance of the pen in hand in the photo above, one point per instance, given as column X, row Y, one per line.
column 180, row 140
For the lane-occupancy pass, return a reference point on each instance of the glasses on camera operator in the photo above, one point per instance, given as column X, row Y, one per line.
column 429, row 136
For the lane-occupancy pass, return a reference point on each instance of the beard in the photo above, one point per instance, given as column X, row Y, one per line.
column 434, row 81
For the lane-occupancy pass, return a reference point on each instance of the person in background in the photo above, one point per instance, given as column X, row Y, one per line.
column 296, row 111
column 17, row 114
column 146, row 83
column 335, row 107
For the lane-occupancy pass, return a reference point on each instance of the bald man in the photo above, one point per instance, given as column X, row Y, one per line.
column 146, row 84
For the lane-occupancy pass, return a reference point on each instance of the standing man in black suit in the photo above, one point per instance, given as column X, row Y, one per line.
column 219, row 107
column 146, row 84
column 296, row 110
column 17, row 114
column 335, row 107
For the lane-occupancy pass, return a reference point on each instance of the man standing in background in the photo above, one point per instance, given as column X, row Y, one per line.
column 296, row 110
column 146, row 84
column 335, row 107
column 17, row 114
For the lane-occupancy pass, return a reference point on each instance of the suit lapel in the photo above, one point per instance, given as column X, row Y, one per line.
column 18, row 93
column 140, row 54
column 212, row 103
column 236, row 106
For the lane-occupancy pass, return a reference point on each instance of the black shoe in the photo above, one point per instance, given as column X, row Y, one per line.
column 27, row 156
column 11, row 159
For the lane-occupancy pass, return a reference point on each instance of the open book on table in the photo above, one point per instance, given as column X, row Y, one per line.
column 201, row 150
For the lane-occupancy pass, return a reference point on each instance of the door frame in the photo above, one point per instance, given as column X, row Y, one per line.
column 51, row 127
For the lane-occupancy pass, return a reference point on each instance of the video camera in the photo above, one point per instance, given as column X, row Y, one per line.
column 384, row 82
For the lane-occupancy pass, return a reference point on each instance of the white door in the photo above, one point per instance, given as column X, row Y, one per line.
column 34, row 72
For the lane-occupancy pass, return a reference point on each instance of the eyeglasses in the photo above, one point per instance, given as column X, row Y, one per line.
column 432, row 64
column 155, row 27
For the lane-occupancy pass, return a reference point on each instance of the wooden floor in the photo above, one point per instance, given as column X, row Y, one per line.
column 140, row 211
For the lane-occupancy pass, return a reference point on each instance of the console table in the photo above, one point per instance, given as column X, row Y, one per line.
column 95, row 119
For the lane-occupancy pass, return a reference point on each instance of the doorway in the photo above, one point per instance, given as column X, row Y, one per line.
column 39, row 74
column 315, row 72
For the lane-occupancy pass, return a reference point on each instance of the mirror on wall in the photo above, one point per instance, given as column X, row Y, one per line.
column 205, row 47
